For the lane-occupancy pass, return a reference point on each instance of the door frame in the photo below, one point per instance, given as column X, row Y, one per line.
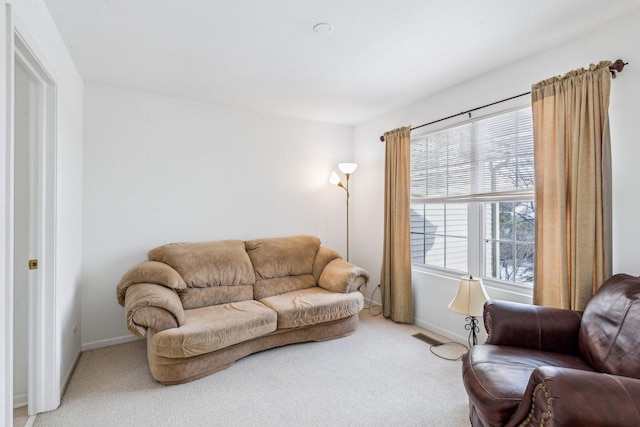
column 43, row 360
column 44, row 355
column 6, row 217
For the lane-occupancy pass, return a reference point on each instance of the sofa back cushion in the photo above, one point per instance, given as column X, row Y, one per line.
column 609, row 330
column 282, row 264
column 282, row 256
column 208, row 264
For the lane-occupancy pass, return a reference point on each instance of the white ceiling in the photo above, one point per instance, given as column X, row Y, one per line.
column 264, row 55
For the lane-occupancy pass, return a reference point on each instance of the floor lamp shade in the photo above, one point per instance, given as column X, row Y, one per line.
column 334, row 179
column 347, row 168
column 470, row 298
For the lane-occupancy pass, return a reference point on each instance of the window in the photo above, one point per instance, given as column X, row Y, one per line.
column 472, row 197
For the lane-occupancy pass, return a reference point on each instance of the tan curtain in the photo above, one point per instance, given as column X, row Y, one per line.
column 573, row 186
column 396, row 290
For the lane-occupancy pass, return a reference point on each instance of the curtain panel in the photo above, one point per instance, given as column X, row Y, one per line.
column 396, row 289
column 573, row 186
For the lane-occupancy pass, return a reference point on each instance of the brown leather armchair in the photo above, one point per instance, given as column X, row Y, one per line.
column 544, row 366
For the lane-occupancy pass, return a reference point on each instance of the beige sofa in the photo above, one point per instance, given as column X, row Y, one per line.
column 205, row 305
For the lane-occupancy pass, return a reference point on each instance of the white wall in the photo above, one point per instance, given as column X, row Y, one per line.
column 160, row 169
column 433, row 293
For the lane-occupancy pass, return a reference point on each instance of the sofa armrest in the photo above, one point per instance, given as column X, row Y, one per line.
column 323, row 257
column 149, row 305
column 149, row 272
column 571, row 397
column 342, row 276
column 532, row 326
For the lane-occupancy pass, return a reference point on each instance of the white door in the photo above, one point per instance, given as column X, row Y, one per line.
column 24, row 198
column 34, row 188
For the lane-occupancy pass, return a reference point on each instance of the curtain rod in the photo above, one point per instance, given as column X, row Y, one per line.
column 613, row 68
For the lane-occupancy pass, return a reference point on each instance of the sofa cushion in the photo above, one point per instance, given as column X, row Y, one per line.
column 312, row 306
column 282, row 256
column 279, row 285
column 202, row 297
column 496, row 377
column 223, row 263
column 609, row 330
column 211, row 328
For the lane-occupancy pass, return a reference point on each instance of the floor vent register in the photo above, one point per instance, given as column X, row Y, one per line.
column 427, row 339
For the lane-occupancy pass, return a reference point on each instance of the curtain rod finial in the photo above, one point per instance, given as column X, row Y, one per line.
column 381, row 138
column 617, row 66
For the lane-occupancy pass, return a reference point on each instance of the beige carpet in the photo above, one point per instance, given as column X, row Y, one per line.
column 379, row 376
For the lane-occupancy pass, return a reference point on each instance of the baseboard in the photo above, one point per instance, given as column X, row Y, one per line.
column 371, row 303
column 72, row 368
column 426, row 325
column 109, row 342
column 20, row 400
column 440, row 331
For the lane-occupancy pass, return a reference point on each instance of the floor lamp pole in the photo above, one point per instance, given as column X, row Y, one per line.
column 347, row 178
column 347, row 169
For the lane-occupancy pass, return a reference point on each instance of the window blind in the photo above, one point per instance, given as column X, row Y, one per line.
column 490, row 158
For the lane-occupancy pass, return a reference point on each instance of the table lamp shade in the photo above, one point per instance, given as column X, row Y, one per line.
column 470, row 298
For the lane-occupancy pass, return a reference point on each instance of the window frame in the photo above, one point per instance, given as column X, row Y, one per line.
column 476, row 235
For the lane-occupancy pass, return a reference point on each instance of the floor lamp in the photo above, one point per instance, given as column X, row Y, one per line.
column 347, row 169
column 470, row 301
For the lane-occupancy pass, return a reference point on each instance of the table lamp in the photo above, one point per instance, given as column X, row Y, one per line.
column 470, row 301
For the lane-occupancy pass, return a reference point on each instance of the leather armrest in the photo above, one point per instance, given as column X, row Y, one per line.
column 570, row 397
column 532, row 326
column 342, row 276
column 149, row 305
